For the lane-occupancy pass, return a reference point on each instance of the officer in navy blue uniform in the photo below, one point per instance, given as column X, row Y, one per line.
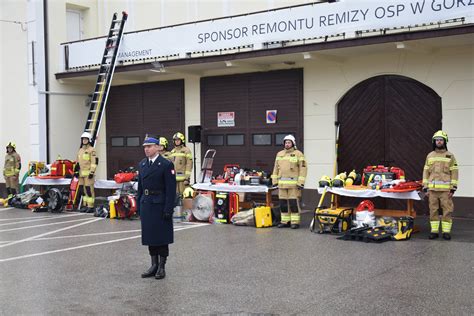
column 156, row 201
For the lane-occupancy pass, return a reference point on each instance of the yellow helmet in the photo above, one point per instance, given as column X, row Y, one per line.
column 179, row 135
column 12, row 145
column 325, row 181
column 440, row 134
column 164, row 142
column 188, row 193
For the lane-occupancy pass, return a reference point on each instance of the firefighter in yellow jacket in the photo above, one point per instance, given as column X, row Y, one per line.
column 183, row 162
column 289, row 174
column 11, row 171
column 87, row 161
column 440, row 181
column 163, row 148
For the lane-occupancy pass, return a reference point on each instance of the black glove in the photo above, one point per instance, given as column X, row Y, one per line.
column 91, row 175
column 167, row 216
column 300, row 186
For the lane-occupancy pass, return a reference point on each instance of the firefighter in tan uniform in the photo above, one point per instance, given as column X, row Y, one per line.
column 11, row 171
column 85, row 169
column 183, row 162
column 163, row 148
column 289, row 174
column 440, row 181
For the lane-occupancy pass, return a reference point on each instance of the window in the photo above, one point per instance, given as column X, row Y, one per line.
column 117, row 141
column 279, row 138
column 215, row 140
column 133, row 141
column 74, row 25
column 235, row 140
column 262, row 139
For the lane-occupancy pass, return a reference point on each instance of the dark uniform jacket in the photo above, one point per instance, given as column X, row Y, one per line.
column 156, row 196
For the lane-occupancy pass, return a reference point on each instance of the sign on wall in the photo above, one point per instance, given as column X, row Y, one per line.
column 271, row 116
column 225, row 119
column 299, row 22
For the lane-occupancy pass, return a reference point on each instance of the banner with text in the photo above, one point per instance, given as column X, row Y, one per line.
column 301, row 22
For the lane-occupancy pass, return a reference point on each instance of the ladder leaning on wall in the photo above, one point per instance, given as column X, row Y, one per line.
column 104, row 78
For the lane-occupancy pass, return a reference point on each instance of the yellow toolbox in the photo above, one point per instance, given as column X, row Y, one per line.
column 263, row 216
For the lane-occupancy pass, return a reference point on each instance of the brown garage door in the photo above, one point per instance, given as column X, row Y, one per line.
column 134, row 110
column 251, row 143
column 388, row 120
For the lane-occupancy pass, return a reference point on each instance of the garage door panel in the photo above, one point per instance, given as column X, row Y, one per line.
column 250, row 96
column 156, row 108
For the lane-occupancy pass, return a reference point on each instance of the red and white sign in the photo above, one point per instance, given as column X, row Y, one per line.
column 271, row 116
column 225, row 119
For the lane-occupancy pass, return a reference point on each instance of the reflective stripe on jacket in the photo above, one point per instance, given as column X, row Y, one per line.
column 12, row 164
column 183, row 162
column 440, row 172
column 87, row 159
column 290, row 169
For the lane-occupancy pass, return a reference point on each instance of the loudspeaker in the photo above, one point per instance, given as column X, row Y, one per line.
column 194, row 133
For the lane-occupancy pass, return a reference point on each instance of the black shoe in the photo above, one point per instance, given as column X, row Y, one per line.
column 446, row 236
column 160, row 274
column 433, row 235
column 295, row 226
column 283, row 225
column 152, row 270
column 83, row 209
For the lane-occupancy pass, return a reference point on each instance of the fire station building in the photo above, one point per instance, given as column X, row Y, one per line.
column 245, row 74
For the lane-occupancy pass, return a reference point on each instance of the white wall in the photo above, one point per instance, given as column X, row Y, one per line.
column 14, row 115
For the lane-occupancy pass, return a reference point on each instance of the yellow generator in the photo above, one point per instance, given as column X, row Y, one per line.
column 263, row 216
column 336, row 220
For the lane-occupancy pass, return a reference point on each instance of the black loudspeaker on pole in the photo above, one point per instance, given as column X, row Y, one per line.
column 194, row 136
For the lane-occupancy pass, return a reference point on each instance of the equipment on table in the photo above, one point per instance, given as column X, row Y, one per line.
column 351, row 178
column 339, row 180
column 125, row 176
column 381, row 174
column 334, row 220
column 36, row 168
column 61, row 168
column 263, row 216
column 405, row 187
column 405, row 228
column 325, row 181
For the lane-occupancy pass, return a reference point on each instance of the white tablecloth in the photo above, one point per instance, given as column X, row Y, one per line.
column 413, row 195
column 99, row 184
column 225, row 187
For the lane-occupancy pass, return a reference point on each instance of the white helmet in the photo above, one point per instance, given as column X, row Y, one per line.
column 87, row 135
column 290, row 137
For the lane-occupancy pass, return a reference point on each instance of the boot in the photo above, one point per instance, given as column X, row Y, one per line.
column 13, row 191
column 9, row 192
column 295, row 226
column 160, row 274
column 446, row 236
column 283, row 225
column 433, row 235
column 152, row 270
